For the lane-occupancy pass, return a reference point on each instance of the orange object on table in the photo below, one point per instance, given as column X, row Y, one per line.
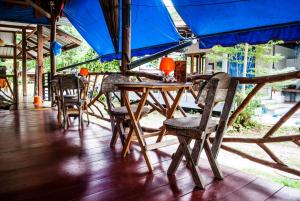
column 84, row 71
column 37, row 100
column 167, row 65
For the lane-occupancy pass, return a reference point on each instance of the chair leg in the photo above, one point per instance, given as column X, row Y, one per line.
column 80, row 119
column 82, row 122
column 176, row 159
column 88, row 117
column 194, row 169
column 65, row 121
column 122, row 132
column 197, row 149
column 212, row 161
column 115, row 133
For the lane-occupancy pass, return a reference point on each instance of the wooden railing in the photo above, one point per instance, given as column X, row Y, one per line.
column 262, row 142
column 258, row 82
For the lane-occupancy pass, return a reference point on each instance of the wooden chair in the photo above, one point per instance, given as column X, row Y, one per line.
column 119, row 115
column 219, row 88
column 72, row 98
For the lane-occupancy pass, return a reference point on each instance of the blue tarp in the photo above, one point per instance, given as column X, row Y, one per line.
column 152, row 27
column 13, row 13
column 229, row 22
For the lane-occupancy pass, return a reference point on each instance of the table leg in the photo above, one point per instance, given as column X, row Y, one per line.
column 137, row 116
column 135, row 126
column 164, row 95
column 170, row 113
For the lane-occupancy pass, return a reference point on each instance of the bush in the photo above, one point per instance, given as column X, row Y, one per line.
column 245, row 119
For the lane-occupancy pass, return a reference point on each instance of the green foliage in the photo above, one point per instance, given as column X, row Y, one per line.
column 245, row 118
column 288, row 182
column 219, row 53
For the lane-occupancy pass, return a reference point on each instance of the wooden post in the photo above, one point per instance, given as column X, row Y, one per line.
column 24, row 70
column 15, row 78
column 52, row 39
column 126, row 35
column 40, row 59
column 192, row 64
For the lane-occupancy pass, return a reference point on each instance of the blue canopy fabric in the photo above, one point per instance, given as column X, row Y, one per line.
column 14, row 13
column 152, row 27
column 229, row 22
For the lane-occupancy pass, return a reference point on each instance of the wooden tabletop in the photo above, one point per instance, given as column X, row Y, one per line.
column 164, row 86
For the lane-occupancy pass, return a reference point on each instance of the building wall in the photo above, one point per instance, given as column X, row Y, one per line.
column 287, row 53
column 289, row 59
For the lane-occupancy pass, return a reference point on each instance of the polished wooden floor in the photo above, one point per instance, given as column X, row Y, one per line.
column 38, row 161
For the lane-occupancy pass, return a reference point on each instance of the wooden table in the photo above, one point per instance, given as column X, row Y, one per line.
column 145, row 88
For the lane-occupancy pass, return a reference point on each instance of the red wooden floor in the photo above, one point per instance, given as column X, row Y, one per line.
column 38, row 161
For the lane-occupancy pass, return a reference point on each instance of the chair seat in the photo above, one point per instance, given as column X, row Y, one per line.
column 123, row 110
column 189, row 124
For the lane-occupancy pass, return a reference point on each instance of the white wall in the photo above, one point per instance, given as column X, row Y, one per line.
column 288, row 60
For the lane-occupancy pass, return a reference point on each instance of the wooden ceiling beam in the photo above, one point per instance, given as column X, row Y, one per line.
column 68, row 47
column 28, row 54
column 16, row 26
column 61, row 34
column 9, row 46
column 28, row 49
column 16, row 2
column 35, row 43
column 28, row 36
column 38, row 8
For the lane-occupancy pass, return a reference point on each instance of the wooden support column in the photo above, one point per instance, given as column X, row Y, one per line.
column 192, row 64
column 15, row 78
column 126, row 35
column 40, row 59
column 52, row 39
column 24, row 58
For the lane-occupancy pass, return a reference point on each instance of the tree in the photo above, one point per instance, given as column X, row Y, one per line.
column 262, row 51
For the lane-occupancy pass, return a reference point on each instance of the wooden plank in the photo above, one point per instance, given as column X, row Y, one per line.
column 256, row 189
column 48, row 164
column 68, row 37
column 217, row 190
column 285, row 193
